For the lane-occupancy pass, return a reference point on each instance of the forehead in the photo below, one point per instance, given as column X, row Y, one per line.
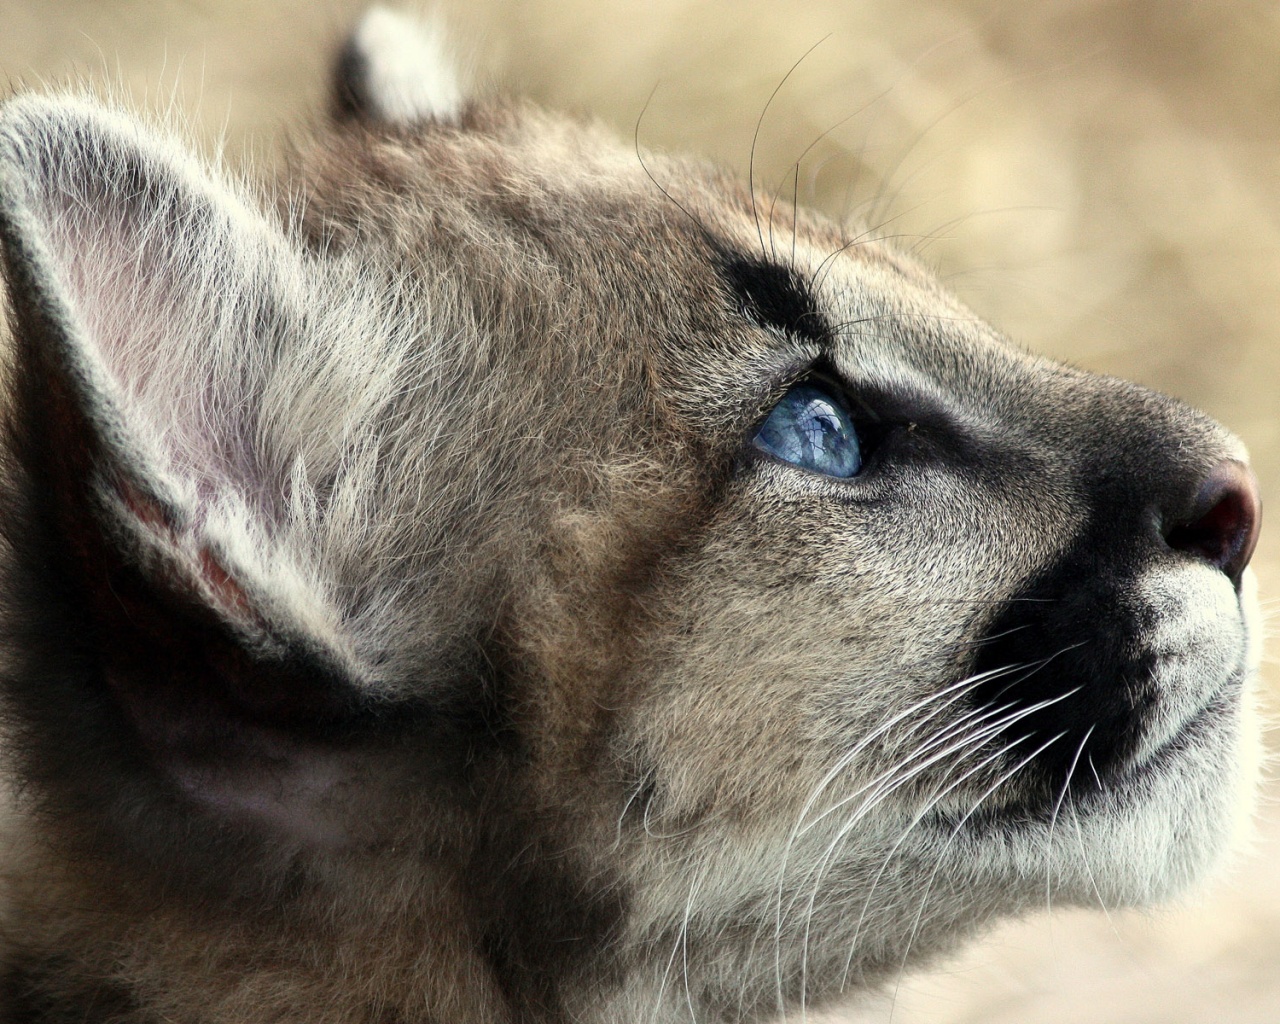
column 558, row 223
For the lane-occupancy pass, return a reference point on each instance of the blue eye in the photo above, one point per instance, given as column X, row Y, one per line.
column 810, row 428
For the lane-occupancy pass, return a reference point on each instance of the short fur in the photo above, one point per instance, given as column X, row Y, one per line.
column 401, row 624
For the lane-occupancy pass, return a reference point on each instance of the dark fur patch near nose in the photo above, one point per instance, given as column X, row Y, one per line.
column 774, row 296
column 1062, row 668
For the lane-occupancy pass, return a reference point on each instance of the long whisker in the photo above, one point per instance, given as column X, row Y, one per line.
column 1084, row 860
column 889, row 781
column 1039, row 666
column 666, row 193
column 1053, row 818
column 913, row 763
column 924, row 899
column 951, row 694
column 936, row 798
column 905, row 769
column 680, row 947
column 972, row 741
column 755, row 138
column 1038, row 706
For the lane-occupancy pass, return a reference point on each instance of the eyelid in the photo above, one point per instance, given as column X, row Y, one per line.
column 886, row 405
column 816, row 368
column 859, row 410
column 873, row 410
column 768, row 392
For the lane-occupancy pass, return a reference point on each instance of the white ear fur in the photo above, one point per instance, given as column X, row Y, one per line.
column 396, row 69
column 143, row 277
column 130, row 246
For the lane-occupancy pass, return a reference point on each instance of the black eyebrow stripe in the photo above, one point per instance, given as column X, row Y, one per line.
column 774, row 295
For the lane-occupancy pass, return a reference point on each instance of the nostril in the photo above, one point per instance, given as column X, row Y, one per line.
column 1222, row 527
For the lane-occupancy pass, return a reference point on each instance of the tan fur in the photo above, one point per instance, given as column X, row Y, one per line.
column 535, row 692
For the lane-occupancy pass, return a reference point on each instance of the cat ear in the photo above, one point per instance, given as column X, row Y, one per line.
column 394, row 69
column 149, row 301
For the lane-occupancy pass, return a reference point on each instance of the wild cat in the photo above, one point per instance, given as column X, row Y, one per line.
column 503, row 580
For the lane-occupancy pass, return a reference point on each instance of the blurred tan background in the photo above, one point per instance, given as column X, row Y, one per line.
column 1101, row 179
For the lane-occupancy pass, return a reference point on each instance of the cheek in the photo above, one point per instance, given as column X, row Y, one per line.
column 762, row 692
column 807, row 639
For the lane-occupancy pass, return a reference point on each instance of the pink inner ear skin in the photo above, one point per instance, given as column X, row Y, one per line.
column 147, row 511
column 224, row 588
column 218, row 581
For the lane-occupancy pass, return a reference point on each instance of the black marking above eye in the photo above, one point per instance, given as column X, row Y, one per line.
column 775, row 296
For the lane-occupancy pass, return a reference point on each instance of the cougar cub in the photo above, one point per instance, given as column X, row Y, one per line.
column 503, row 581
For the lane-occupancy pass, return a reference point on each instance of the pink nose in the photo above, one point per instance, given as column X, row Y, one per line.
column 1222, row 527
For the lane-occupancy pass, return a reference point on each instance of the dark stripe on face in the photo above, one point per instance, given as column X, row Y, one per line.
column 1080, row 636
column 774, row 296
column 1069, row 640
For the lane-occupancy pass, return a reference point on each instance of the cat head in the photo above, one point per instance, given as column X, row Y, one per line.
column 556, row 582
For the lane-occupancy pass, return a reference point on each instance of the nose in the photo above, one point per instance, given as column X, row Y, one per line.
column 1222, row 525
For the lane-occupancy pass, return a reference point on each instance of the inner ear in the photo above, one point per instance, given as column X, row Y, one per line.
column 395, row 69
column 166, row 630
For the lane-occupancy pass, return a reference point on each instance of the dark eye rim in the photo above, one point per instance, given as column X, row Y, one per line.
column 872, row 429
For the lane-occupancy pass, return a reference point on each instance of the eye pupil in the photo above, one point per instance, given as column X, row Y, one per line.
column 810, row 428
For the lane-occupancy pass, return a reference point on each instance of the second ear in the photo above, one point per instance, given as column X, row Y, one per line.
column 395, row 69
